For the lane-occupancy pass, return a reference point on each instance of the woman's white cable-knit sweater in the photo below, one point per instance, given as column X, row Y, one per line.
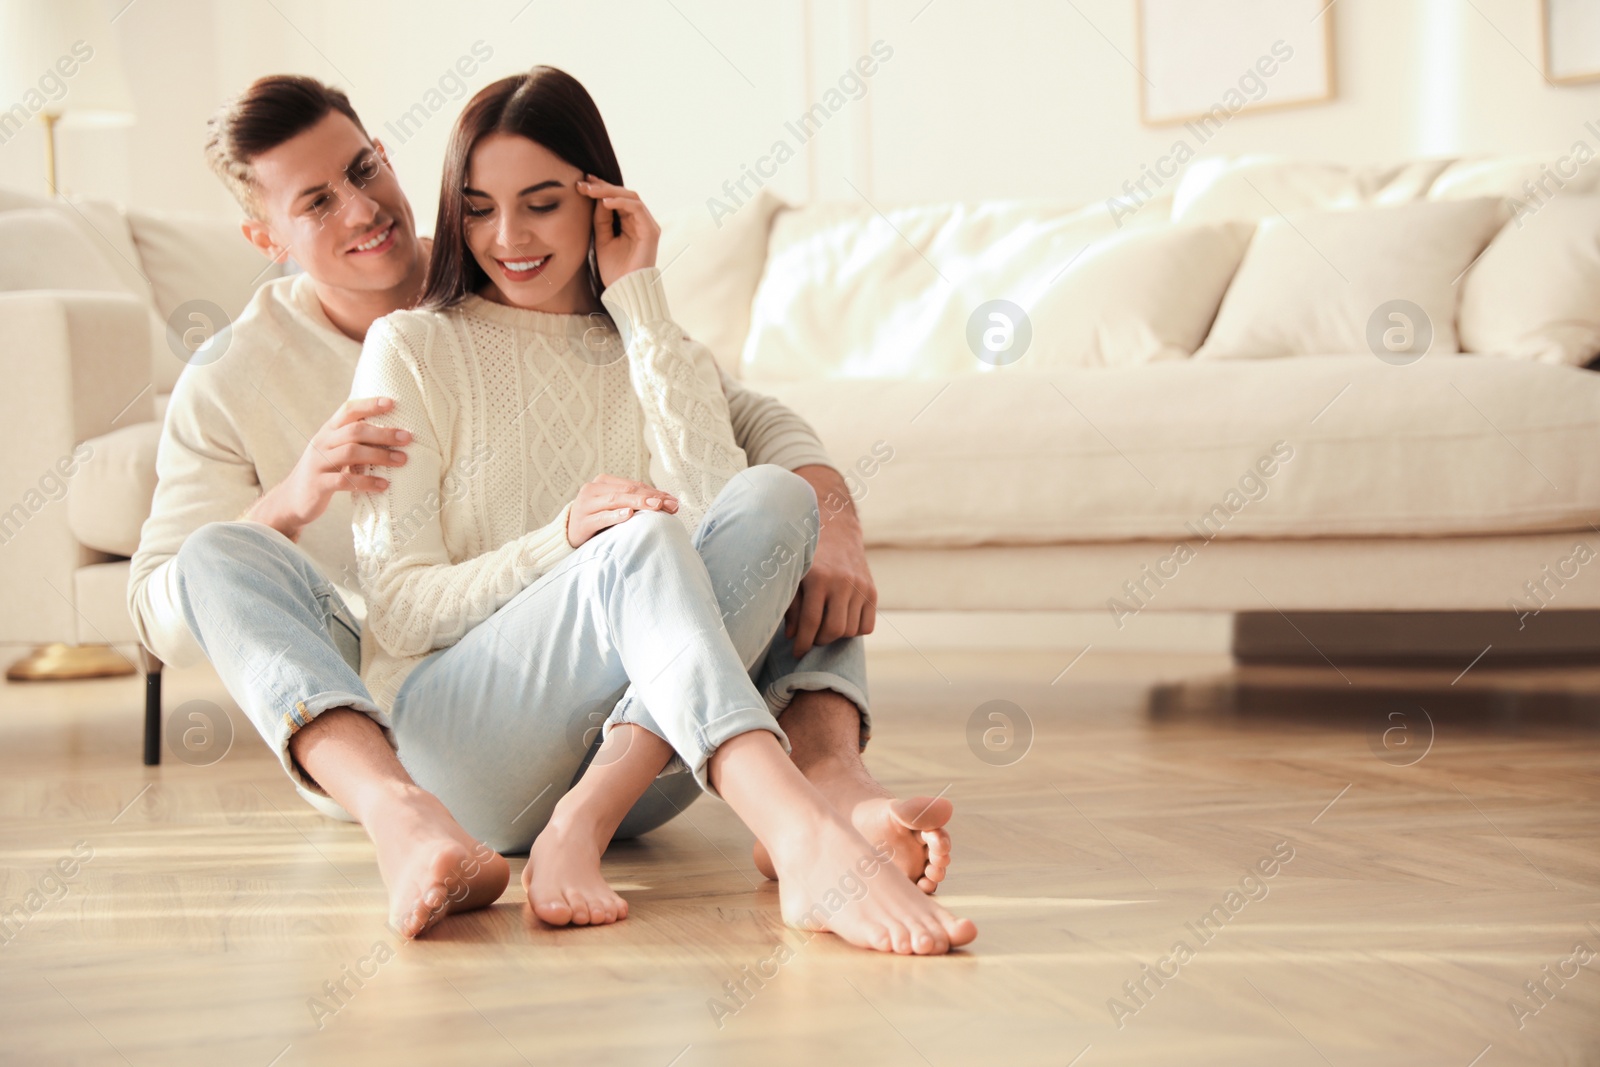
column 512, row 412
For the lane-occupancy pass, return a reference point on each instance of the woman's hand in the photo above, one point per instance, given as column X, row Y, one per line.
column 608, row 500
column 635, row 249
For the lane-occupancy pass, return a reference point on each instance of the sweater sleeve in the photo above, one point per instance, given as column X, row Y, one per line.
column 769, row 432
column 418, row 598
column 688, row 429
column 204, row 473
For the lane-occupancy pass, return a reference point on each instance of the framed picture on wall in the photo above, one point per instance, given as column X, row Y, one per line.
column 1198, row 56
column 1570, row 37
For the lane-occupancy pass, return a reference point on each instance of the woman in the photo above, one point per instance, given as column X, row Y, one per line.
column 549, row 554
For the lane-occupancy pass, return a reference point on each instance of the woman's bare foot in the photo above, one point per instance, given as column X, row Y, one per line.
column 830, row 879
column 432, row 866
column 913, row 829
column 562, row 877
column 563, row 880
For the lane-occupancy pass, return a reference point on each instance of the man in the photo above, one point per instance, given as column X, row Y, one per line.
column 247, row 558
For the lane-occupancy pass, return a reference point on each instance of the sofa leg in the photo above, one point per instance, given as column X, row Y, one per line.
column 152, row 719
column 152, row 708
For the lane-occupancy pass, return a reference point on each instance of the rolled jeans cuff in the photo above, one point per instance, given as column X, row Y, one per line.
column 301, row 715
column 780, row 694
column 708, row 738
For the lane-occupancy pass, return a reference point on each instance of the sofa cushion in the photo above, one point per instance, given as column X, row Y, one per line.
column 100, row 597
column 851, row 293
column 1329, row 282
column 1257, row 187
column 1514, row 178
column 1308, row 574
column 1441, row 447
column 101, row 223
column 195, row 257
column 42, row 250
column 113, row 488
column 1535, row 291
column 199, row 257
column 710, row 269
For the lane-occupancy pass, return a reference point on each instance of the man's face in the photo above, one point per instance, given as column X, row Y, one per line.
column 330, row 198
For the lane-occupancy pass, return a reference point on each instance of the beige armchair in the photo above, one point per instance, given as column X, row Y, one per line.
column 87, row 292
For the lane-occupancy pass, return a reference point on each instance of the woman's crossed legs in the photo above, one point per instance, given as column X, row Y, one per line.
column 497, row 726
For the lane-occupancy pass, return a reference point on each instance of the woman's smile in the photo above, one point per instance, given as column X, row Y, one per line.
column 525, row 269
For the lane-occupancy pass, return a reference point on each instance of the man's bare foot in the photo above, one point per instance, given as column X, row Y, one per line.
column 829, row 878
column 432, row 866
column 913, row 829
column 563, row 880
column 824, row 730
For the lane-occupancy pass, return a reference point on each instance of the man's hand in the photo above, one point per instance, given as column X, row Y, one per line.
column 344, row 440
column 837, row 597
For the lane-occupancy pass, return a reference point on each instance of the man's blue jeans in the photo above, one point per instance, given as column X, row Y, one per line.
column 500, row 725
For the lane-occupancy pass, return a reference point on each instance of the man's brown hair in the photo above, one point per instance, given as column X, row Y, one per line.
column 271, row 111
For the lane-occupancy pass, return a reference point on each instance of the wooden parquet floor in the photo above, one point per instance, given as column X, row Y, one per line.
column 1418, row 879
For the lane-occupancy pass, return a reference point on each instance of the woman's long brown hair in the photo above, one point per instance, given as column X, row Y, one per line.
column 549, row 107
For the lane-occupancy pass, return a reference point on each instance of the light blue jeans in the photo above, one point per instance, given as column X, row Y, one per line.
column 640, row 624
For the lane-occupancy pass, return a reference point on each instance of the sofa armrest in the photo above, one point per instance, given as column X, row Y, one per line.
column 75, row 365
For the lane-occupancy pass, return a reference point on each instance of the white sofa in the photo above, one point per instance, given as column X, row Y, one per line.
column 1068, row 479
column 1110, row 469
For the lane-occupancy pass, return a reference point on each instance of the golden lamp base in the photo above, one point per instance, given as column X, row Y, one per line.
column 61, row 662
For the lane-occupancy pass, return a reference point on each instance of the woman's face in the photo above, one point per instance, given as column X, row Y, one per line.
column 528, row 226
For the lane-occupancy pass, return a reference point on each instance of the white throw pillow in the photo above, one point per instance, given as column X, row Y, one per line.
column 189, row 256
column 1327, row 283
column 1535, row 293
column 1138, row 297
column 1527, row 179
column 849, row 293
column 710, row 269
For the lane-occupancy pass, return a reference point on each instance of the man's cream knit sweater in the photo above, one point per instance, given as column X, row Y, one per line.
column 239, row 425
column 512, row 412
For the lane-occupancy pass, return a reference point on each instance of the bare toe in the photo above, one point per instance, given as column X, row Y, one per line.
column 913, row 830
column 554, row 912
column 960, row 931
column 922, row 813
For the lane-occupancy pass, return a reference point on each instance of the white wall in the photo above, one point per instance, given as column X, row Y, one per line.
column 981, row 98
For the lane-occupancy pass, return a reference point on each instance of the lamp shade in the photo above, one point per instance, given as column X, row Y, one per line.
column 61, row 57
